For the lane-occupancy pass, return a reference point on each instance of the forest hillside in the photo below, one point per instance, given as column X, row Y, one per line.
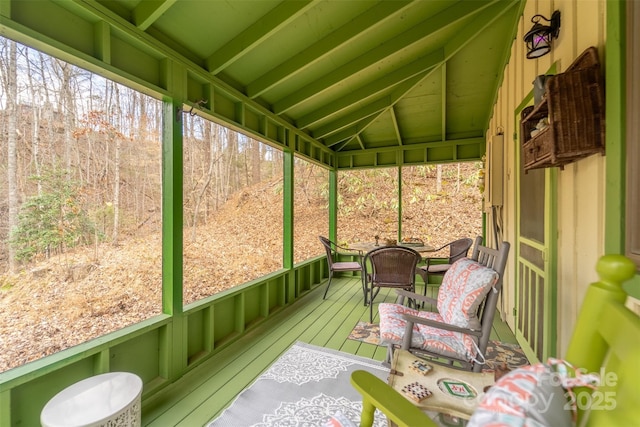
column 85, row 180
column 49, row 302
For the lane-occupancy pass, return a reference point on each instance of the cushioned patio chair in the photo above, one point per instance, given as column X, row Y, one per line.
column 435, row 266
column 333, row 253
column 458, row 333
column 389, row 267
column 604, row 340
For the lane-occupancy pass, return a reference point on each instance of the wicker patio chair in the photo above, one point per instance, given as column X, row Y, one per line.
column 389, row 267
column 333, row 252
column 439, row 265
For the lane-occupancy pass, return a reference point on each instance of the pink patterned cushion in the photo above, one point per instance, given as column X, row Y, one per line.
column 463, row 288
column 536, row 395
column 446, row 343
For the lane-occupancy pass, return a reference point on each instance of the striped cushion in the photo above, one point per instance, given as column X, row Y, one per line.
column 463, row 288
column 441, row 341
column 538, row 395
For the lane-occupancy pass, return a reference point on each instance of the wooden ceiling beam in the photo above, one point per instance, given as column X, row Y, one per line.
column 415, row 34
column 147, row 12
column 251, row 37
column 479, row 24
column 417, row 67
column 366, row 22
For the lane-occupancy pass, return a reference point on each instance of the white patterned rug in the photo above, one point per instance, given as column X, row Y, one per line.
column 304, row 387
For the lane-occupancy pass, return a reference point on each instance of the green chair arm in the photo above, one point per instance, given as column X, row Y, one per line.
column 378, row 394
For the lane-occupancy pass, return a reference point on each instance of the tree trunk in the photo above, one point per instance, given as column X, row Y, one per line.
column 47, row 113
column 205, row 185
column 12, row 142
column 116, row 167
column 256, row 161
column 68, row 110
column 35, row 119
column 233, row 172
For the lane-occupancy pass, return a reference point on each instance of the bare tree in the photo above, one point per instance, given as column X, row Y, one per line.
column 48, row 112
column 117, row 137
column 11, row 89
column 207, row 136
column 256, row 161
column 35, row 120
column 67, row 108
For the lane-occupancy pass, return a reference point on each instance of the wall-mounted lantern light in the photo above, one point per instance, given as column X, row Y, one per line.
column 539, row 38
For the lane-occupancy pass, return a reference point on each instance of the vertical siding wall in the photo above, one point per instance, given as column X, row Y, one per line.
column 581, row 184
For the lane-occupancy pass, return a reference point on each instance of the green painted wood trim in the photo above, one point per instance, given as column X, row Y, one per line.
column 615, row 110
column 72, row 356
column 550, row 329
column 587, row 348
column 172, row 213
column 5, row 9
column 207, row 330
column 615, row 139
column 436, row 152
column 264, row 300
column 549, row 249
column 164, row 360
column 101, row 362
column 399, row 204
column 42, row 377
column 288, row 160
column 174, row 353
column 484, row 226
column 333, row 204
column 239, row 313
column 171, row 210
column 5, row 408
column 378, row 394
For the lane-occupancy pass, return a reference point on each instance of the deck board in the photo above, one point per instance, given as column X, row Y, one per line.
column 203, row 393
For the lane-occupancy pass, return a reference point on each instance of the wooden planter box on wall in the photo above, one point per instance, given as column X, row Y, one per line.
column 573, row 104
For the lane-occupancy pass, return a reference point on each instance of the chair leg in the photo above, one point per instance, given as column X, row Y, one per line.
column 389, row 357
column 372, row 296
column 371, row 310
column 328, row 284
column 425, row 277
column 364, row 291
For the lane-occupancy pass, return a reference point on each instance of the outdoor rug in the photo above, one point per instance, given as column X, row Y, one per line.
column 498, row 353
column 304, row 387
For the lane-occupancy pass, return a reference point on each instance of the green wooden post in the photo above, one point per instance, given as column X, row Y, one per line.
column 587, row 349
column 550, row 327
column 172, row 207
column 288, row 187
column 288, row 160
column 333, row 204
column 615, row 101
column 173, row 356
column 616, row 167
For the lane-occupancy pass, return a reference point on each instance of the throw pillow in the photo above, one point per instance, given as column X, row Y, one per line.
column 339, row 420
column 463, row 288
column 533, row 396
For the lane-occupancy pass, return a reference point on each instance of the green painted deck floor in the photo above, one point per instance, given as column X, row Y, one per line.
column 204, row 392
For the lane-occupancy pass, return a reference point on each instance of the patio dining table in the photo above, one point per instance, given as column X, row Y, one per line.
column 369, row 246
